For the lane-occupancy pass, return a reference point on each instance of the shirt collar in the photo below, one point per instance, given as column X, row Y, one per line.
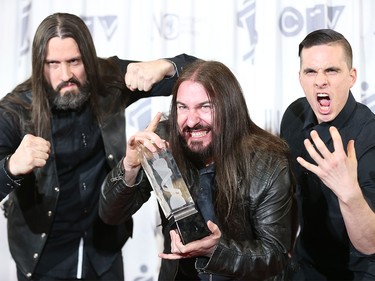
column 207, row 170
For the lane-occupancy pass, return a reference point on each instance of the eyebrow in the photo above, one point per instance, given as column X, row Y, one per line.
column 199, row 104
column 71, row 59
column 331, row 68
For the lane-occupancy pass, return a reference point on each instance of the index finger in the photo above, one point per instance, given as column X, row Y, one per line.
column 154, row 123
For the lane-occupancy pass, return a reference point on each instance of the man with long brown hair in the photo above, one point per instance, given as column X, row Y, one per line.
column 238, row 175
column 62, row 131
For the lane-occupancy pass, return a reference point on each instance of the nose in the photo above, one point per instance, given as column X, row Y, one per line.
column 66, row 73
column 321, row 79
column 193, row 118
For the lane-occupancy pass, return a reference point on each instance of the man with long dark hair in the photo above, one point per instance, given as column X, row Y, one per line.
column 238, row 175
column 62, row 131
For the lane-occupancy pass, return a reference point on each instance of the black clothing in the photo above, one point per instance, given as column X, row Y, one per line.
column 116, row 272
column 80, row 162
column 203, row 196
column 58, row 203
column 257, row 251
column 323, row 250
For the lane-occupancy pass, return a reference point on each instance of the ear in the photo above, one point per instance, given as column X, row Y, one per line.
column 353, row 76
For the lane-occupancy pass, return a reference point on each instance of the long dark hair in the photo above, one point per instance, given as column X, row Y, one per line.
column 235, row 136
column 100, row 73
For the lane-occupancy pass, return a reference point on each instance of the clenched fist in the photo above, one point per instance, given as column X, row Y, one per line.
column 32, row 153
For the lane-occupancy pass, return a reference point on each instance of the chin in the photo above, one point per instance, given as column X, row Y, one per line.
column 73, row 91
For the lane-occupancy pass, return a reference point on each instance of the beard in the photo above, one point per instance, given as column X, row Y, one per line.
column 69, row 100
column 196, row 153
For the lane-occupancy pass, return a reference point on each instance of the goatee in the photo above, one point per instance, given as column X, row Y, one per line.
column 199, row 154
column 69, row 100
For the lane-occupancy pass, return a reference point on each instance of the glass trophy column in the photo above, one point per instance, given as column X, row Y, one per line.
column 172, row 194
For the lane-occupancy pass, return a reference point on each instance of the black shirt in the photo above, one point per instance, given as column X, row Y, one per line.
column 204, row 201
column 323, row 245
column 81, row 167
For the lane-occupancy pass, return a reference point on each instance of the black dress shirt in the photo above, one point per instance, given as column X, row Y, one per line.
column 323, row 249
column 79, row 153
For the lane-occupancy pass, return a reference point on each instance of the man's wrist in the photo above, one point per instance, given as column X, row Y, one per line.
column 130, row 173
column 173, row 69
column 129, row 168
column 16, row 179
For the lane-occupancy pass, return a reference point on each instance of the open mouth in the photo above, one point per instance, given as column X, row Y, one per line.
column 199, row 134
column 324, row 100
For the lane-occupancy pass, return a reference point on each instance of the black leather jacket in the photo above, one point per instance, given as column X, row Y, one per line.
column 32, row 201
column 259, row 250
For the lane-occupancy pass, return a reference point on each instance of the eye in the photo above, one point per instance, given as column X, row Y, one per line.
column 332, row 71
column 206, row 108
column 310, row 72
column 75, row 62
column 181, row 108
column 52, row 64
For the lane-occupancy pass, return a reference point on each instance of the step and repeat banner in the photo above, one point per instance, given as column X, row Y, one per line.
column 257, row 40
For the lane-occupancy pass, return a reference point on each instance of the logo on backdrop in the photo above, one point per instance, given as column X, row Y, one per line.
column 169, row 26
column 291, row 20
column 246, row 19
column 140, row 115
column 144, row 269
column 108, row 24
column 367, row 98
column 25, row 38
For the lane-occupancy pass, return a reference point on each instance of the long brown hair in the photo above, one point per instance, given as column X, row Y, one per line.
column 100, row 73
column 235, row 136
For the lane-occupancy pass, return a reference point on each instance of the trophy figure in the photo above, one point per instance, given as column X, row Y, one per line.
column 172, row 194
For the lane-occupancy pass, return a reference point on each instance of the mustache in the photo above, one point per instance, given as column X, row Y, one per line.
column 188, row 129
column 66, row 83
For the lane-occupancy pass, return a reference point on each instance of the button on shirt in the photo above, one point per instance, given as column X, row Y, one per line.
column 81, row 167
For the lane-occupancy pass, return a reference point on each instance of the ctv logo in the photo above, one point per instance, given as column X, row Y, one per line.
column 292, row 21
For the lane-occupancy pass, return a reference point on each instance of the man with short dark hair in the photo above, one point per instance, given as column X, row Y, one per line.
column 332, row 142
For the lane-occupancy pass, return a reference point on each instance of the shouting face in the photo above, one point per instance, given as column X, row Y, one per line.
column 326, row 79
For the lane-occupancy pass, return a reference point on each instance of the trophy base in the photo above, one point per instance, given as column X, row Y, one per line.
column 191, row 228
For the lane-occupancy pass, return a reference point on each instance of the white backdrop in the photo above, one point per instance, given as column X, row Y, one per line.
column 258, row 40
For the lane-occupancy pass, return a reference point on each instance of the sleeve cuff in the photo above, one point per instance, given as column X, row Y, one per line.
column 13, row 179
column 176, row 73
column 120, row 175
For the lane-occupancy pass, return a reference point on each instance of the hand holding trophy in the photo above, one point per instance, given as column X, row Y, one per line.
column 172, row 193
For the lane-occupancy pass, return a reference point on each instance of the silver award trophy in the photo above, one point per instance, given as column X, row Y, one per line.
column 172, row 194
